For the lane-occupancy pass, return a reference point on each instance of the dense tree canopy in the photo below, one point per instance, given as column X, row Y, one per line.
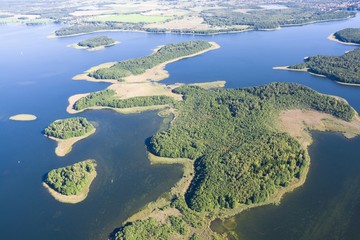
column 349, row 35
column 68, row 128
column 240, row 156
column 344, row 68
column 71, row 180
column 140, row 65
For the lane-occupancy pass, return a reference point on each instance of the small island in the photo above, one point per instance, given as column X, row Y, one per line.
column 67, row 132
column 71, row 184
column 349, row 36
column 342, row 69
column 95, row 43
column 23, row 117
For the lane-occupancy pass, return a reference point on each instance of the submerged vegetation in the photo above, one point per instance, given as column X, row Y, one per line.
column 106, row 98
column 241, row 158
column 68, row 128
column 96, row 42
column 138, row 66
column 71, row 180
column 348, row 35
column 338, row 68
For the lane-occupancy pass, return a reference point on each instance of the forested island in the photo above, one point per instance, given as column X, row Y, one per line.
column 67, row 132
column 95, row 43
column 71, row 184
column 242, row 157
column 342, row 69
column 347, row 36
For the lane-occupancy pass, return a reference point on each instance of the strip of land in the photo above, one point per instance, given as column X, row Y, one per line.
column 23, row 117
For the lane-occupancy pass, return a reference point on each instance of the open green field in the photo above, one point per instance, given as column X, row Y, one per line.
column 131, row 18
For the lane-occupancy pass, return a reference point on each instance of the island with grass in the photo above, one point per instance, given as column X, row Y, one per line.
column 342, row 69
column 350, row 36
column 95, row 43
column 71, row 184
column 66, row 132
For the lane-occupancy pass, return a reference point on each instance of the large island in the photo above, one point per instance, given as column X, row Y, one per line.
column 240, row 148
column 71, row 184
column 66, row 132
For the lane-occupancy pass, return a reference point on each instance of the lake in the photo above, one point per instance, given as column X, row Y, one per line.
column 36, row 78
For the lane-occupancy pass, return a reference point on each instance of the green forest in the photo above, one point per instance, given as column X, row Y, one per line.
column 68, row 128
column 345, row 68
column 70, row 180
column 140, row 65
column 269, row 19
column 96, row 42
column 107, row 98
column 240, row 157
column 349, row 35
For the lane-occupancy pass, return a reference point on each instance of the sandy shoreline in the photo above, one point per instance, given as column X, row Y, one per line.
column 23, row 117
column 333, row 38
column 72, row 198
column 64, row 146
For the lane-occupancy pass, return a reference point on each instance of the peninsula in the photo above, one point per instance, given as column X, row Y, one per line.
column 71, row 184
column 342, row 69
column 245, row 152
column 95, row 43
column 349, row 36
column 66, row 132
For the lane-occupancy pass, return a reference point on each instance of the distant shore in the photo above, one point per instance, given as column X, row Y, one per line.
column 23, row 117
column 72, row 198
column 64, row 146
column 333, row 38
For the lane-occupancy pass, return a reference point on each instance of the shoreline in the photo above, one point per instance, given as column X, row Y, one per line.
column 64, row 146
column 72, row 199
column 332, row 37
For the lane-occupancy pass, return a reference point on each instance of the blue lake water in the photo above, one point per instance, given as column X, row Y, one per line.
column 36, row 78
